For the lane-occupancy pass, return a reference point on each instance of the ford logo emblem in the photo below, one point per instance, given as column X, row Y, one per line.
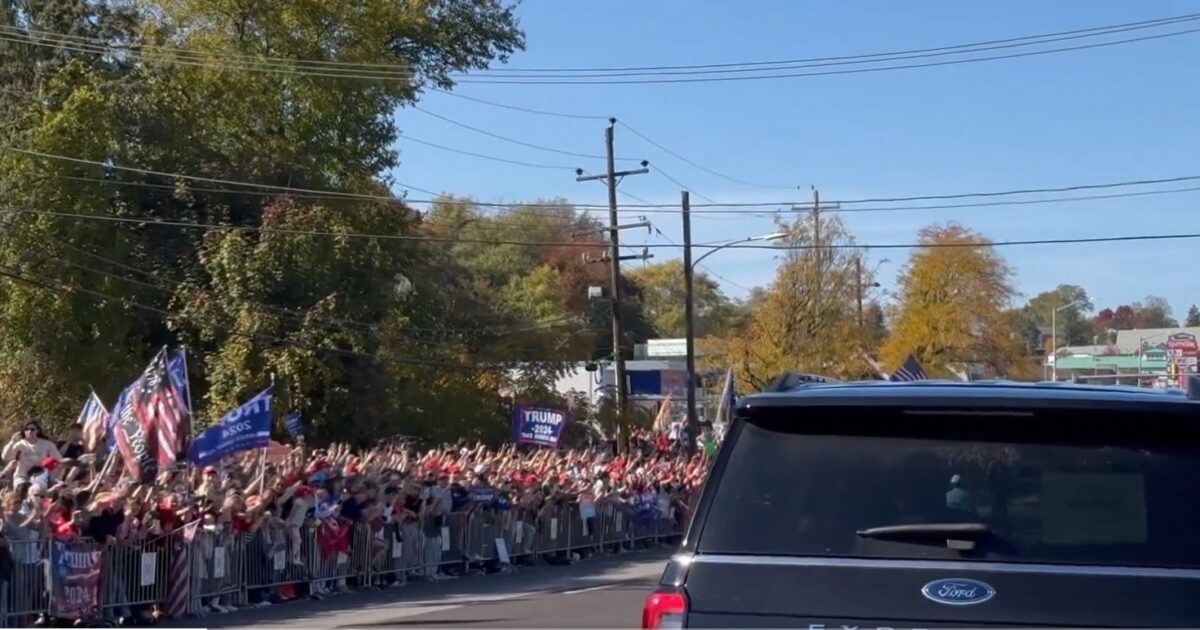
column 958, row 591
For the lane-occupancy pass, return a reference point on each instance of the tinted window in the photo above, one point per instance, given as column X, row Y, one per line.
column 783, row 492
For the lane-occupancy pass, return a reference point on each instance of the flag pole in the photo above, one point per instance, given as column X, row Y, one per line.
column 187, row 392
column 262, row 462
column 189, row 468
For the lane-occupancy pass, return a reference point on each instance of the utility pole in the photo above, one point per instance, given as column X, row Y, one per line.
column 858, row 288
column 611, row 178
column 816, row 217
column 690, row 316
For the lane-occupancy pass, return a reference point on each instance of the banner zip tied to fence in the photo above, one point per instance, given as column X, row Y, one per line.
column 191, row 569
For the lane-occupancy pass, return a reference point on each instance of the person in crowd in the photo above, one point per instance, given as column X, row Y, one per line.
column 29, row 448
column 408, row 504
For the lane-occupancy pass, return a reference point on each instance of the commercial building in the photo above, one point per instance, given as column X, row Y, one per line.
column 1150, row 357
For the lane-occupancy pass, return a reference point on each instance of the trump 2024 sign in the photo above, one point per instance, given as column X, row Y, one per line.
column 539, row 425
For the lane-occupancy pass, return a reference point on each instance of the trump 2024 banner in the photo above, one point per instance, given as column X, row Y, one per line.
column 539, row 425
column 75, row 580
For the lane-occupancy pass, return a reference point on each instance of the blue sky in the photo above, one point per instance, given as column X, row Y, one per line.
column 1119, row 113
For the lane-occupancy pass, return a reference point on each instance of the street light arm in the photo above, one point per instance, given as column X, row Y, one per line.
column 696, row 263
column 767, row 237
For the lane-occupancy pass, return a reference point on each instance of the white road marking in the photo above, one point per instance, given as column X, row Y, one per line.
column 588, row 590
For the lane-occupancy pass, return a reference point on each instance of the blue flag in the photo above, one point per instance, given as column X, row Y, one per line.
column 177, row 369
column 294, row 424
column 110, row 425
column 246, row 428
column 538, row 425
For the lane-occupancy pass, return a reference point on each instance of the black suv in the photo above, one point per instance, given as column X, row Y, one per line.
column 927, row 504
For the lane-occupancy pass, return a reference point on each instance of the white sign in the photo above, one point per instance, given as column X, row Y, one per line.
column 666, row 348
column 502, row 550
column 149, row 568
column 219, row 563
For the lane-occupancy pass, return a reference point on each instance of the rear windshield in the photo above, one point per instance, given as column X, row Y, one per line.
column 784, row 492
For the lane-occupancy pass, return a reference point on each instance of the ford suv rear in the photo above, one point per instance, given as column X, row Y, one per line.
column 902, row 505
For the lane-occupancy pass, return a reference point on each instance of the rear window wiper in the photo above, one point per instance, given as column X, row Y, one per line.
column 961, row 536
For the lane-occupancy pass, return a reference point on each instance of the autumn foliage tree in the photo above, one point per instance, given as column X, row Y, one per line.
column 807, row 320
column 953, row 306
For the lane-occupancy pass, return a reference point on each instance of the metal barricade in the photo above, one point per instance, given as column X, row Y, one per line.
column 337, row 567
column 483, row 529
column 617, row 524
column 451, row 538
column 136, row 574
column 272, row 559
column 25, row 594
column 400, row 557
column 553, row 533
column 586, row 531
column 521, row 534
column 217, row 562
column 232, row 570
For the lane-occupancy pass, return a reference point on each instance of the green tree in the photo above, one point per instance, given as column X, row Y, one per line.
column 663, row 298
column 1155, row 312
column 1072, row 323
column 1193, row 316
column 206, row 94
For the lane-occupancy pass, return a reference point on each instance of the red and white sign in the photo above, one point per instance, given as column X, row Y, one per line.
column 1182, row 352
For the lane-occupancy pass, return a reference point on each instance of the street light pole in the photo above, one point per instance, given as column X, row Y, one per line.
column 689, row 269
column 1054, row 337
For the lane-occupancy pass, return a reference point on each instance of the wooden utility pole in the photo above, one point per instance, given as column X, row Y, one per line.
column 858, row 288
column 611, row 178
column 690, row 316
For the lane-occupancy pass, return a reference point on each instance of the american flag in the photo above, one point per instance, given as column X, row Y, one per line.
column 94, row 420
column 911, row 370
column 161, row 410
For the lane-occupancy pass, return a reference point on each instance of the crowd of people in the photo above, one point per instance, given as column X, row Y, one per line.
column 61, row 492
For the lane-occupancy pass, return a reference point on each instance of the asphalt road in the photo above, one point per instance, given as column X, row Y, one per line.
column 605, row 592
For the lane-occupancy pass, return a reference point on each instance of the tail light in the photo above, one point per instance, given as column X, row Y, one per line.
column 665, row 610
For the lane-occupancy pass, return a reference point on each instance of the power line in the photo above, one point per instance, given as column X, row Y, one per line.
column 645, row 207
column 699, row 166
column 213, row 180
column 680, row 184
column 40, row 281
column 405, row 237
column 1154, row 22
column 517, row 108
column 952, row 62
column 63, row 287
column 878, row 58
column 341, row 69
column 494, row 158
column 293, row 314
column 151, row 221
column 590, row 156
column 702, row 266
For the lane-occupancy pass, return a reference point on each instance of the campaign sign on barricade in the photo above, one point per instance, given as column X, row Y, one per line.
column 75, row 580
column 246, row 428
column 539, row 425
